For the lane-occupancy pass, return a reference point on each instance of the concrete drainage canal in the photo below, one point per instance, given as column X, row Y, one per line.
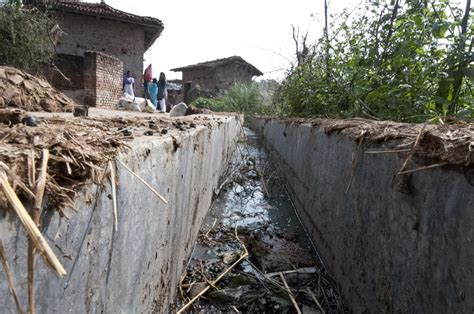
column 183, row 217
column 253, row 254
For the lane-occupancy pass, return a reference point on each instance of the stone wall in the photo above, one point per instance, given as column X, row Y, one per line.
column 102, row 80
column 122, row 40
column 136, row 268
column 390, row 252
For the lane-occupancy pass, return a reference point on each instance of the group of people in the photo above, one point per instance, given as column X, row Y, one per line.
column 155, row 90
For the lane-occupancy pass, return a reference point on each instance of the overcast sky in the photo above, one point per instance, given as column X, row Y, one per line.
column 257, row 30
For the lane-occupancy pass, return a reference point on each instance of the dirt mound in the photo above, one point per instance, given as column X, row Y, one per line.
column 25, row 91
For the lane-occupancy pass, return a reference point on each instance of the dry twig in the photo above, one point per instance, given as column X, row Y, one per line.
column 424, row 168
column 305, row 270
column 297, row 308
column 11, row 283
column 212, row 227
column 213, row 283
column 31, row 168
column 388, row 151
column 114, row 193
column 144, row 182
column 17, row 180
column 311, row 294
column 415, row 145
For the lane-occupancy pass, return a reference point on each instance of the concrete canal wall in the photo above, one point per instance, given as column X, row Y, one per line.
column 389, row 251
column 135, row 269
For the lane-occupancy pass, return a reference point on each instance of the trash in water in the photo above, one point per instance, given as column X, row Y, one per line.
column 251, row 255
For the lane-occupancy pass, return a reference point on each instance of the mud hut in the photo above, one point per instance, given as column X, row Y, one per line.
column 212, row 77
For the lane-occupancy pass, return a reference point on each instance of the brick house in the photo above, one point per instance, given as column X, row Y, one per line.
column 97, row 27
column 212, row 77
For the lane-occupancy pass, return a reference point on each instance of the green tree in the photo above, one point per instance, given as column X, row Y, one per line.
column 25, row 43
column 399, row 60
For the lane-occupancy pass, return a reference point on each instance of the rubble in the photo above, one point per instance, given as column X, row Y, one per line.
column 19, row 89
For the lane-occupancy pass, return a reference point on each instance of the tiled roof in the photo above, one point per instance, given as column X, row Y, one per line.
column 153, row 26
column 220, row 62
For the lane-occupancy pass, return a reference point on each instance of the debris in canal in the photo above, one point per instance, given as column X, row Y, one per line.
column 250, row 255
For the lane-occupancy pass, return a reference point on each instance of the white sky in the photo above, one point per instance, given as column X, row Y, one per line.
column 257, row 30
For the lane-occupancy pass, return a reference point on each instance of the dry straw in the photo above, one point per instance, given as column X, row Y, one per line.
column 33, row 232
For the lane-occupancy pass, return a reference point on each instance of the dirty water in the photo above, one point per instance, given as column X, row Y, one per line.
column 253, row 235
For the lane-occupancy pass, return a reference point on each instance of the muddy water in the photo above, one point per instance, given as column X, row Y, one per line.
column 253, row 213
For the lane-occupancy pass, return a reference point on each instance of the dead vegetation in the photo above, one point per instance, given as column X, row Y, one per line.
column 451, row 144
column 78, row 153
column 247, row 287
column 19, row 89
column 446, row 144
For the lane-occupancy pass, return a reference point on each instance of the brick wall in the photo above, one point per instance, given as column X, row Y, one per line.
column 103, row 75
column 72, row 67
column 124, row 41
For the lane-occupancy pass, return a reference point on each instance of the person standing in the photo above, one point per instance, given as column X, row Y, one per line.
column 162, row 92
column 147, row 78
column 129, row 84
column 153, row 92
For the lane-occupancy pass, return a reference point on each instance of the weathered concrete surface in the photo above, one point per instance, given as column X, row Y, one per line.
column 389, row 251
column 137, row 268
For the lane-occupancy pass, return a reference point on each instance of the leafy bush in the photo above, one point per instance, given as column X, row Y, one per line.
column 240, row 98
column 401, row 60
column 213, row 104
column 25, row 41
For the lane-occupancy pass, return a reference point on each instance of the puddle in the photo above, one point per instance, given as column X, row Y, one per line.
column 253, row 213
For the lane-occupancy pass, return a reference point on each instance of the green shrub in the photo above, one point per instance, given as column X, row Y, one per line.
column 406, row 60
column 240, row 98
column 25, row 41
column 213, row 104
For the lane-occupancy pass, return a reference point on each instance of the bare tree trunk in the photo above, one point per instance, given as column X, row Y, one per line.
column 302, row 54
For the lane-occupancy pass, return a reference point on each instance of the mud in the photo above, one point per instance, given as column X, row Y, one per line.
column 253, row 213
